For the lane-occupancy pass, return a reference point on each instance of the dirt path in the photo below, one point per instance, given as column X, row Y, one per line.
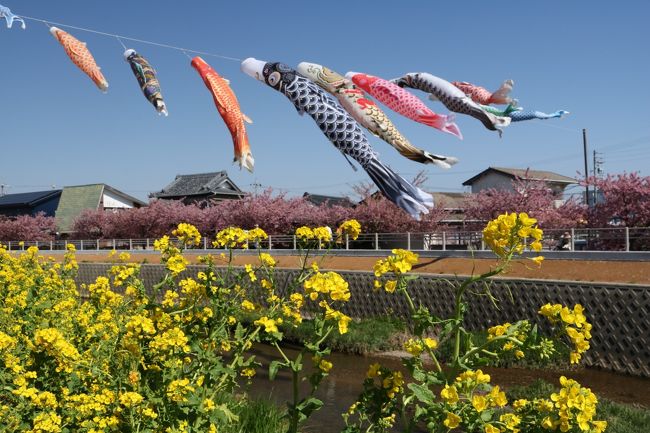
column 628, row 272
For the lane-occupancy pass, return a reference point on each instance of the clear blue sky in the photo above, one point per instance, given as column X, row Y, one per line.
column 590, row 58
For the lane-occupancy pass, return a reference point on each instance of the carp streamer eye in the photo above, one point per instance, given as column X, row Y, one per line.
column 274, row 78
column 282, row 67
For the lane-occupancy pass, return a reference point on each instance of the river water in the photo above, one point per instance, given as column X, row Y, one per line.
column 341, row 388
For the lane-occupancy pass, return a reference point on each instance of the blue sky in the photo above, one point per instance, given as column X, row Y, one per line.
column 590, row 58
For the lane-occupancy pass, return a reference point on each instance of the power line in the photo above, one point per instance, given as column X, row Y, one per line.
column 143, row 41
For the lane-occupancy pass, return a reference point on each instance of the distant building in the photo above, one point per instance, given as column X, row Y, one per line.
column 501, row 178
column 75, row 199
column 454, row 204
column 30, row 203
column 200, row 188
column 318, row 199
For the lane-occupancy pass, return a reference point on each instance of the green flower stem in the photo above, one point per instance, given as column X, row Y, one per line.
column 277, row 346
column 235, row 360
column 324, row 336
column 486, row 344
column 459, row 298
column 293, row 428
column 435, row 360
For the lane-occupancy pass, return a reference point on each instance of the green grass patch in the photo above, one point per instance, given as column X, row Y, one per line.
column 621, row 418
column 257, row 416
column 363, row 337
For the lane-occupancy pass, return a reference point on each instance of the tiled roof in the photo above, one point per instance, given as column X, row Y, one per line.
column 27, row 198
column 523, row 173
column 450, row 200
column 319, row 199
column 74, row 200
column 199, row 184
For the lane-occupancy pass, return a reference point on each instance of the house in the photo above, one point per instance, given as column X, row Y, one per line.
column 329, row 200
column 454, row 204
column 75, row 199
column 501, row 178
column 200, row 188
column 30, row 203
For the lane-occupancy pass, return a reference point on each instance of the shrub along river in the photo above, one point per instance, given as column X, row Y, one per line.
column 344, row 383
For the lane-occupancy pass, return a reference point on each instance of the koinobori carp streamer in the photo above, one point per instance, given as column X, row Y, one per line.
column 228, row 106
column 81, row 56
column 342, row 131
column 147, row 79
column 368, row 114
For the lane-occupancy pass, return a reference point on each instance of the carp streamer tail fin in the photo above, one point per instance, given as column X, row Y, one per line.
column 411, row 199
column 441, row 122
column 502, row 94
column 441, row 161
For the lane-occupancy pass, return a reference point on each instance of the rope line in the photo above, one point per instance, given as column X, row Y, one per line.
column 143, row 41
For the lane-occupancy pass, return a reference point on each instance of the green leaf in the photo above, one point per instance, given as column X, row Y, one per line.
column 486, row 415
column 227, row 414
column 422, row 393
column 308, row 406
column 273, row 369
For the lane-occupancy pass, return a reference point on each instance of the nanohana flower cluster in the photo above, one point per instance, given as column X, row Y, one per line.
column 119, row 360
column 468, row 402
column 510, row 234
column 573, row 323
column 399, row 263
column 133, row 360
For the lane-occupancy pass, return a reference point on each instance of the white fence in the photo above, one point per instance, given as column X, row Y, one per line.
column 586, row 239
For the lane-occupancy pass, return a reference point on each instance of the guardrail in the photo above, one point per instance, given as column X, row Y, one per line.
column 584, row 239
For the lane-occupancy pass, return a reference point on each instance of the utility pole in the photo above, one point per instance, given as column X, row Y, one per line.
column 584, row 145
column 598, row 162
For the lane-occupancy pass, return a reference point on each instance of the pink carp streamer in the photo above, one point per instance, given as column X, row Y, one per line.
column 404, row 102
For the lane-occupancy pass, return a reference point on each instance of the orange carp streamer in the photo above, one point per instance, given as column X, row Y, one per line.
column 80, row 56
column 228, row 106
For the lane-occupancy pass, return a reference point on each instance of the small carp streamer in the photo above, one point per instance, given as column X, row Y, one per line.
column 228, row 106
column 5, row 13
column 341, row 129
column 517, row 114
column 80, row 56
column 481, row 95
column 146, row 76
column 368, row 114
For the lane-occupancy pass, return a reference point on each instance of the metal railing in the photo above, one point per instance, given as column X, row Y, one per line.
column 584, row 239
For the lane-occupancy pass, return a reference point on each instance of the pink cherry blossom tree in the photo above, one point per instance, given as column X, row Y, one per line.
column 27, row 228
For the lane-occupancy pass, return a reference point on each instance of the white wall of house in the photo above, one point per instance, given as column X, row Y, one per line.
column 114, row 201
column 493, row 180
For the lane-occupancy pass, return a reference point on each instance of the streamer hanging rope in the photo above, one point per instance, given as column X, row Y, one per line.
column 143, row 41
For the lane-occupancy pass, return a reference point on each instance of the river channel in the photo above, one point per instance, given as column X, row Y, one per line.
column 341, row 388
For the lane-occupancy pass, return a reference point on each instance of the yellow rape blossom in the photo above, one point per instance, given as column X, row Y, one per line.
column 351, row 228
column 267, row 260
column 270, row 325
column 510, row 234
column 130, row 399
column 452, row 420
column 187, row 234
column 231, row 237
column 449, row 394
column 304, row 233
